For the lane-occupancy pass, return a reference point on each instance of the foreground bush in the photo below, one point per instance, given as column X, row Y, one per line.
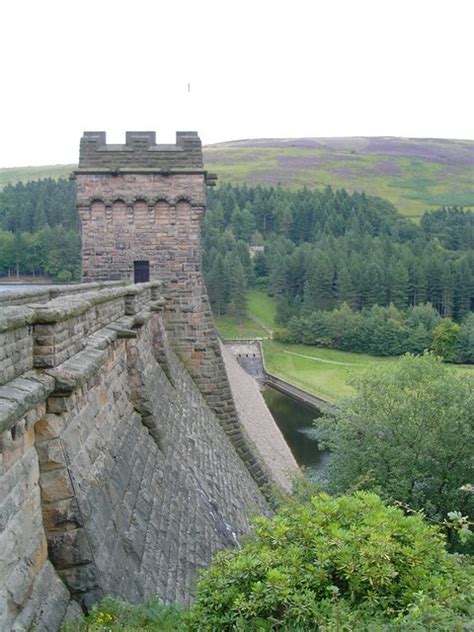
column 334, row 564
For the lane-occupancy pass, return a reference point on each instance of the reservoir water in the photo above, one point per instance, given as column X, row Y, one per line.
column 20, row 287
column 296, row 424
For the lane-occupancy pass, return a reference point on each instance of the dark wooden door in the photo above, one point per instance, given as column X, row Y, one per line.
column 141, row 271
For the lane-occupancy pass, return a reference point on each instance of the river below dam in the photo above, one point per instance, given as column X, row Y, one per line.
column 295, row 421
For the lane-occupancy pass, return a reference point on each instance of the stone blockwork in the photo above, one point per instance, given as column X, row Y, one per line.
column 138, row 204
column 140, row 151
column 116, row 477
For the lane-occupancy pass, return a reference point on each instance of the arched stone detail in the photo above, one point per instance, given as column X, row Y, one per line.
column 163, row 198
column 184, row 198
column 139, row 198
column 183, row 213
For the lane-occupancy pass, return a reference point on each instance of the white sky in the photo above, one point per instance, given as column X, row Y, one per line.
column 260, row 68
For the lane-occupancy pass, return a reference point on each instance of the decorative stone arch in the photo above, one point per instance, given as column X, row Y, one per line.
column 163, row 198
column 183, row 214
column 139, row 198
column 184, row 198
column 119, row 211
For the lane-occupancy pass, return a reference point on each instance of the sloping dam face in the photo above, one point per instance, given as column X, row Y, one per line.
column 116, row 475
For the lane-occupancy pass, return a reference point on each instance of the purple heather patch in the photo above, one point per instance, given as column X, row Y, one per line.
column 442, row 151
column 300, row 162
column 434, row 150
column 386, row 168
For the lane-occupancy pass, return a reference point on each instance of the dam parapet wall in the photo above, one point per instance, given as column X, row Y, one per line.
column 117, row 476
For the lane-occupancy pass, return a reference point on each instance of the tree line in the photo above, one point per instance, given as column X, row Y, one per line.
column 313, row 250
column 331, row 250
column 384, row 331
column 39, row 230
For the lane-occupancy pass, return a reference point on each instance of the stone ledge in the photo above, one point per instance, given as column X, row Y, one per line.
column 64, row 306
column 13, row 317
column 74, row 372
column 49, row 293
column 22, row 394
column 77, row 370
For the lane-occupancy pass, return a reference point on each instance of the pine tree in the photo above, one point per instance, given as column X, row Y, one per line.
column 217, row 285
column 318, row 292
column 239, row 291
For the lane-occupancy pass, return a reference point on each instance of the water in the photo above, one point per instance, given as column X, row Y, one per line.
column 296, row 424
column 20, row 287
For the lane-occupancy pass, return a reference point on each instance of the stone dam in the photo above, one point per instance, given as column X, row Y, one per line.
column 132, row 447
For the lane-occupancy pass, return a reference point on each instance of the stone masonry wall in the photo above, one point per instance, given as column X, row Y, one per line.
column 132, row 213
column 140, row 151
column 116, row 477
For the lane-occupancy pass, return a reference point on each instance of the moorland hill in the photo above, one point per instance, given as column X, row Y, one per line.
column 414, row 174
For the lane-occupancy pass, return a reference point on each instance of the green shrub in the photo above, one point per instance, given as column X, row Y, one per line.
column 113, row 615
column 347, row 563
column 406, row 434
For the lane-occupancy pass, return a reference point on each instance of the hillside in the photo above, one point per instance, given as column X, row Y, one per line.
column 16, row 174
column 414, row 174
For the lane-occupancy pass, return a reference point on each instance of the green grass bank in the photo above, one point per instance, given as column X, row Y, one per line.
column 326, row 373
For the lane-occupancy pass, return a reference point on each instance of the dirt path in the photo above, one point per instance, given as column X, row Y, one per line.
column 261, row 324
column 300, row 355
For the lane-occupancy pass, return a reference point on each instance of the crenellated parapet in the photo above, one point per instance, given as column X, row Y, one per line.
column 141, row 154
column 140, row 151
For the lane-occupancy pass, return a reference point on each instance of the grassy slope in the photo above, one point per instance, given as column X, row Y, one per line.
column 324, row 372
column 414, row 174
column 319, row 375
column 16, row 174
column 231, row 329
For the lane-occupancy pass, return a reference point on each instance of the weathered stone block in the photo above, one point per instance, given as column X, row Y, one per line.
column 56, row 485
column 62, row 515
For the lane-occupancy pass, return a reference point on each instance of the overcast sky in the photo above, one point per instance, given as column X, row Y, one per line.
column 256, row 69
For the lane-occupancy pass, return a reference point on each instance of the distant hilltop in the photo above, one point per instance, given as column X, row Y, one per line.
column 414, row 174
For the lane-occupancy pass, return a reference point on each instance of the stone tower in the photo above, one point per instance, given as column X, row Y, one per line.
column 141, row 206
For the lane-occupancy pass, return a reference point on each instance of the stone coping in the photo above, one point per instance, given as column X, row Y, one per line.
column 52, row 292
column 20, row 395
column 64, row 305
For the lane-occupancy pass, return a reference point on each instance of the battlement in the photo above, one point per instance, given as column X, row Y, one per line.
column 140, row 152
